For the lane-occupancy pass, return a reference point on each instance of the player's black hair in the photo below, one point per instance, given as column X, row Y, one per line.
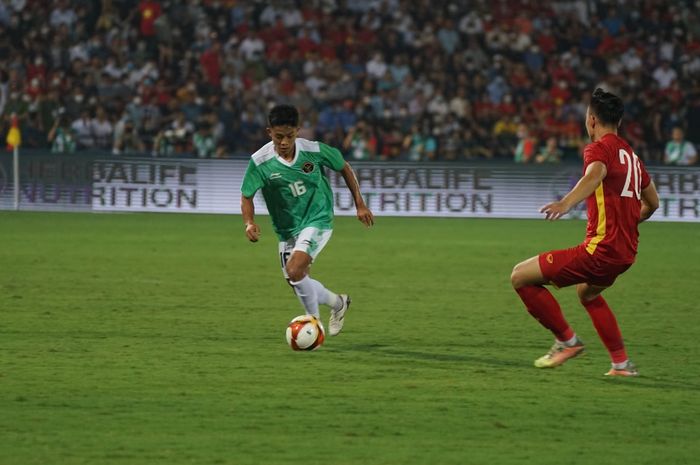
column 607, row 107
column 283, row 115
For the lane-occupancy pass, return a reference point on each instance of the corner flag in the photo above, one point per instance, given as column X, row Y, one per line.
column 14, row 138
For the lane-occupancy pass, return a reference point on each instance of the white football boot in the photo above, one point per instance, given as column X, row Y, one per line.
column 335, row 324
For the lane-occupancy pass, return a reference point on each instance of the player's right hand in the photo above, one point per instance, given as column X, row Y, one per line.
column 365, row 215
column 252, row 231
column 555, row 210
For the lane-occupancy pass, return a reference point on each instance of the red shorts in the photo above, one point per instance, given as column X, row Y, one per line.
column 574, row 266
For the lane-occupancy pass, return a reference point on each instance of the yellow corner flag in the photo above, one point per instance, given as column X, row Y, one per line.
column 14, row 138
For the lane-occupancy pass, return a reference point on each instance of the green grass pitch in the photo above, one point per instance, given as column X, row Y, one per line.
column 159, row 339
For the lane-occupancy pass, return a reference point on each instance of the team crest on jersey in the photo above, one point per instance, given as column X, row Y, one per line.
column 550, row 258
column 307, row 167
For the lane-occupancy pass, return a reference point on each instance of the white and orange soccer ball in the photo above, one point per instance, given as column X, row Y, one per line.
column 305, row 332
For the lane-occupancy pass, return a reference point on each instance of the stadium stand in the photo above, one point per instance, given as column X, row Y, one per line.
column 384, row 79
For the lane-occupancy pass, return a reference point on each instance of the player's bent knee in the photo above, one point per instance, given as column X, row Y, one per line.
column 516, row 277
column 586, row 293
column 295, row 273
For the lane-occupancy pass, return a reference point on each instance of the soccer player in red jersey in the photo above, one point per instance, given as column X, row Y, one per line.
column 619, row 196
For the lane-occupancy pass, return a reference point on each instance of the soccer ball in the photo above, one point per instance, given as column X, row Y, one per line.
column 305, row 332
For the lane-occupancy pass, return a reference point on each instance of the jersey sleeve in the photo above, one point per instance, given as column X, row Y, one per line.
column 252, row 180
column 594, row 152
column 331, row 157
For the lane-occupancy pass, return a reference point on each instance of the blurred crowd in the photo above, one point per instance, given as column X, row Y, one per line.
column 381, row 79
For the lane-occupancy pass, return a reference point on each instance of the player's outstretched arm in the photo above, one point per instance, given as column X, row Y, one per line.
column 364, row 214
column 650, row 201
column 252, row 230
column 595, row 173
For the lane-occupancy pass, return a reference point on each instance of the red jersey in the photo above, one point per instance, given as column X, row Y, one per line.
column 150, row 11
column 615, row 206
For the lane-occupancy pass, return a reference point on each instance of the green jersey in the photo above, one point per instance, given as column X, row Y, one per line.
column 297, row 193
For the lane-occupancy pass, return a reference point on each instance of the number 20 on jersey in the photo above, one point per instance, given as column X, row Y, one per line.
column 634, row 174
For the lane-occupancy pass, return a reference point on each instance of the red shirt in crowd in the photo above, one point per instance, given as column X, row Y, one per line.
column 212, row 66
column 150, row 11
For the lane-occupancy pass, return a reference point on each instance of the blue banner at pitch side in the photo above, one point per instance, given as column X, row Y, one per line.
column 85, row 183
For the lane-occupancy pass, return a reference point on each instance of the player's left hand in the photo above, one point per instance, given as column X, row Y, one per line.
column 555, row 210
column 252, row 231
column 365, row 215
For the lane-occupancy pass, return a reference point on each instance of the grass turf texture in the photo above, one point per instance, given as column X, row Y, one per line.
column 159, row 339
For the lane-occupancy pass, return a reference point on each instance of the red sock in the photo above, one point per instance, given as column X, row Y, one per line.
column 544, row 307
column 606, row 325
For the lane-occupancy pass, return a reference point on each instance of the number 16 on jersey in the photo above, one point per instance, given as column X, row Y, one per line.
column 298, row 188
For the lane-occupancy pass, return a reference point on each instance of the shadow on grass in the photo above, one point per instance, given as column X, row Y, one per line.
column 643, row 382
column 413, row 355
column 392, row 352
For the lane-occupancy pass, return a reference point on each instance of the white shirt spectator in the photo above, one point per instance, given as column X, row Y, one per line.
column 680, row 153
column 615, row 66
column 103, row 133
column 471, row 24
column 292, row 18
column 61, row 16
column 692, row 67
column 312, row 65
column 84, row 132
column 112, row 69
column 376, row 67
column 496, row 39
column 252, row 48
column 79, row 51
column 664, row 75
column 438, row 106
column 667, row 50
column 315, row 84
column 269, row 15
column 579, row 8
column 458, row 106
column 520, row 42
column 631, row 60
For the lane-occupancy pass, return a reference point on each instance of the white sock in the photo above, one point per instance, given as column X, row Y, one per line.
column 306, row 291
column 620, row 366
column 571, row 342
column 325, row 296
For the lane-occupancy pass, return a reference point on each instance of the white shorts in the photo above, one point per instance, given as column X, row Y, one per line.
column 310, row 240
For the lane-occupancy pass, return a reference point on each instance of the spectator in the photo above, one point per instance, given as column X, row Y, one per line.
column 63, row 14
column 103, row 130
column 149, row 11
column 32, row 134
column 680, row 151
column 61, row 136
column 664, row 75
column 474, row 146
column 128, row 141
column 84, row 130
column 360, row 143
column 203, row 141
column 416, row 144
column 505, row 134
column 550, row 152
column 526, row 145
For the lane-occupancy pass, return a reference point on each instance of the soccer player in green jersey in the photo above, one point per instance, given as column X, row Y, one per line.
column 290, row 172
